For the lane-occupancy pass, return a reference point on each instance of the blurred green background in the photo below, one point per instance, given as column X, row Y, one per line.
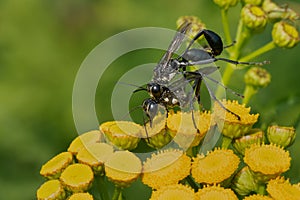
column 42, row 44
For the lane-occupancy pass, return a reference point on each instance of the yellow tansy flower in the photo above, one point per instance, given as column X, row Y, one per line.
column 173, row 192
column 216, row 167
column 77, row 177
column 51, row 190
column 83, row 140
column 95, row 155
column 157, row 136
column 81, row 196
column 53, row 168
column 166, row 168
column 124, row 134
column 257, row 197
column 216, row 192
column 182, row 128
column 280, row 189
column 123, row 168
column 267, row 161
column 231, row 125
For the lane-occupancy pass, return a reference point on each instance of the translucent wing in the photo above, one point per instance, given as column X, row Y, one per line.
column 175, row 44
column 163, row 71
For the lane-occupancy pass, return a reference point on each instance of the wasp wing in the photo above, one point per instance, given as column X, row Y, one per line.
column 163, row 70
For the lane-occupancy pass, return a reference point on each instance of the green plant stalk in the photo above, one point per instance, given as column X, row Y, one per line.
column 241, row 36
column 226, row 26
column 248, row 93
column 267, row 47
column 226, row 141
column 261, row 189
column 102, row 188
column 117, row 193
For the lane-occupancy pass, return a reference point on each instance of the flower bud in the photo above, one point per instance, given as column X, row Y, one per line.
column 253, row 2
column 285, row 35
column 197, row 24
column 276, row 12
column 280, row 135
column 253, row 17
column 244, row 182
column 257, row 77
column 225, row 4
column 255, row 136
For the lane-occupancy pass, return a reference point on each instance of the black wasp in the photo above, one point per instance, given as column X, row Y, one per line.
column 164, row 89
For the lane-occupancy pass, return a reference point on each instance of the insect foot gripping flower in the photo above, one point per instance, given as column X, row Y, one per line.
column 244, row 182
column 225, row 4
column 157, row 135
column 267, row 161
column 255, row 136
column 81, row 196
column 123, row 168
column 257, row 197
column 83, row 140
column 95, row 155
column 77, row 177
column 174, row 192
column 254, row 17
column 229, row 124
column 215, row 167
column 281, row 135
column 197, row 24
column 51, row 190
column 124, row 134
column 285, row 35
column 54, row 167
column 182, row 128
column 166, row 167
column 215, row 192
column 281, row 189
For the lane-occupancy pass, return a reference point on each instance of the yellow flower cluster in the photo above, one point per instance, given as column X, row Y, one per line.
column 179, row 192
column 71, row 174
column 172, row 173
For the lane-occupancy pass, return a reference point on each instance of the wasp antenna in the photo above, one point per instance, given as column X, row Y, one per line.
column 133, row 85
column 130, row 111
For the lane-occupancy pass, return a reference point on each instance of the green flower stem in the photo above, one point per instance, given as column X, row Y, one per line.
column 259, row 51
column 241, row 36
column 248, row 93
column 226, row 141
column 117, row 193
column 102, row 188
column 261, row 189
column 226, row 26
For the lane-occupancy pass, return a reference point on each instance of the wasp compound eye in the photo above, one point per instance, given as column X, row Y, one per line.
column 156, row 90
